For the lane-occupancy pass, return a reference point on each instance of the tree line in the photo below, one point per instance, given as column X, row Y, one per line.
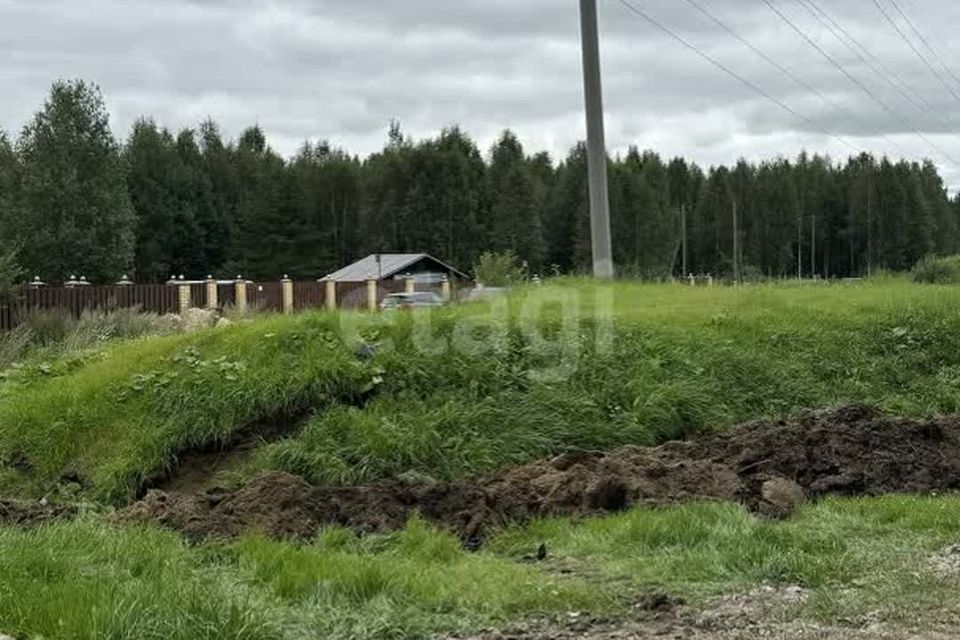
column 74, row 200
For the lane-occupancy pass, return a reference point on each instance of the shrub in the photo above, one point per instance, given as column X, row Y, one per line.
column 498, row 269
column 938, row 270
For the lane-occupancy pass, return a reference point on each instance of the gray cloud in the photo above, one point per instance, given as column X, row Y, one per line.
column 342, row 69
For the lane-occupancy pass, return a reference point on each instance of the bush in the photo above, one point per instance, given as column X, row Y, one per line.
column 938, row 270
column 498, row 269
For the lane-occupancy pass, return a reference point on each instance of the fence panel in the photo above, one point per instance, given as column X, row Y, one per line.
column 265, row 296
column 309, row 295
column 226, row 295
column 352, row 295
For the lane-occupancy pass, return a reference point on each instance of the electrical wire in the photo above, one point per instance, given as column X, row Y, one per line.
column 873, row 96
column 909, row 93
column 913, row 47
column 924, row 40
column 706, row 56
column 785, row 71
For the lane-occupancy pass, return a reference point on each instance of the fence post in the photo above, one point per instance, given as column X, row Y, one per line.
column 693, row 281
column 240, row 286
column 212, row 293
column 445, row 289
column 709, row 280
column 409, row 284
column 183, row 297
column 286, row 287
column 331, row 295
column 372, row 297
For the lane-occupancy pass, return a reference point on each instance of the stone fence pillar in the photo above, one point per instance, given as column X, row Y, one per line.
column 183, row 297
column 212, row 292
column 372, row 297
column 286, row 288
column 331, row 295
column 240, row 287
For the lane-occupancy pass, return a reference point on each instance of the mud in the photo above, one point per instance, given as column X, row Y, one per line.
column 199, row 469
column 770, row 467
column 25, row 514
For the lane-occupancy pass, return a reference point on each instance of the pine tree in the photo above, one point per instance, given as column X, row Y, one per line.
column 76, row 213
column 218, row 168
column 163, row 191
column 513, row 224
column 9, row 185
column 264, row 240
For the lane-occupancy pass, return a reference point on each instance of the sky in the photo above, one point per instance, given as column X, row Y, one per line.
column 341, row 70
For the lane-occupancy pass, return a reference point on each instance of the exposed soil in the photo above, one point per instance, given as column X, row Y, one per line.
column 770, row 467
column 26, row 514
column 197, row 470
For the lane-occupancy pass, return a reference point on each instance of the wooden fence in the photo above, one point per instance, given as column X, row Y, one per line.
column 74, row 301
column 165, row 298
column 151, row 298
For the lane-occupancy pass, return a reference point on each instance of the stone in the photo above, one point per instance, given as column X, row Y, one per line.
column 224, row 322
column 780, row 497
column 196, row 319
column 170, row 322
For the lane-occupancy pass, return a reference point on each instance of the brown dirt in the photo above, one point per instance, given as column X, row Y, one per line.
column 26, row 514
column 850, row 450
column 202, row 468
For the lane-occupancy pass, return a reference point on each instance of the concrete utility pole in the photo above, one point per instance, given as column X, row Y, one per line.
column 596, row 145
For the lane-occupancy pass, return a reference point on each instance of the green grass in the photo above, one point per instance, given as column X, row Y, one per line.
column 88, row 580
column 124, row 413
column 466, row 390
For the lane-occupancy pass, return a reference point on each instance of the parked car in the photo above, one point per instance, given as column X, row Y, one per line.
column 416, row 300
column 485, row 293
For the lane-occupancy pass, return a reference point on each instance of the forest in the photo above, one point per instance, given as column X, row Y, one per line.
column 74, row 200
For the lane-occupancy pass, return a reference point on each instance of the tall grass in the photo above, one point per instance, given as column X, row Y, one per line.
column 460, row 391
column 56, row 333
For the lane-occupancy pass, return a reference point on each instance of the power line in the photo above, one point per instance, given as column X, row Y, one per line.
column 784, row 70
column 910, row 94
column 913, row 47
column 706, row 56
column 926, row 43
column 873, row 96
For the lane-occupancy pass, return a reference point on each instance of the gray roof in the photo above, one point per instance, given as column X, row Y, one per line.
column 390, row 265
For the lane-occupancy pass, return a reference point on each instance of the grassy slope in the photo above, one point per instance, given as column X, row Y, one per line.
column 84, row 580
column 682, row 360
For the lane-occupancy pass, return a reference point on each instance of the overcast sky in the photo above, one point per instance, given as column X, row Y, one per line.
column 342, row 69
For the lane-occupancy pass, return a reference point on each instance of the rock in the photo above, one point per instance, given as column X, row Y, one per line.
column 224, row 322
column 6, row 637
column 780, row 497
column 196, row 319
column 170, row 322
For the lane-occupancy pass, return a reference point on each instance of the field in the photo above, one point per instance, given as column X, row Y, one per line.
column 379, row 406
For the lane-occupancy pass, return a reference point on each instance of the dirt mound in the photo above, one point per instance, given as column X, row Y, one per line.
column 768, row 466
column 32, row 513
